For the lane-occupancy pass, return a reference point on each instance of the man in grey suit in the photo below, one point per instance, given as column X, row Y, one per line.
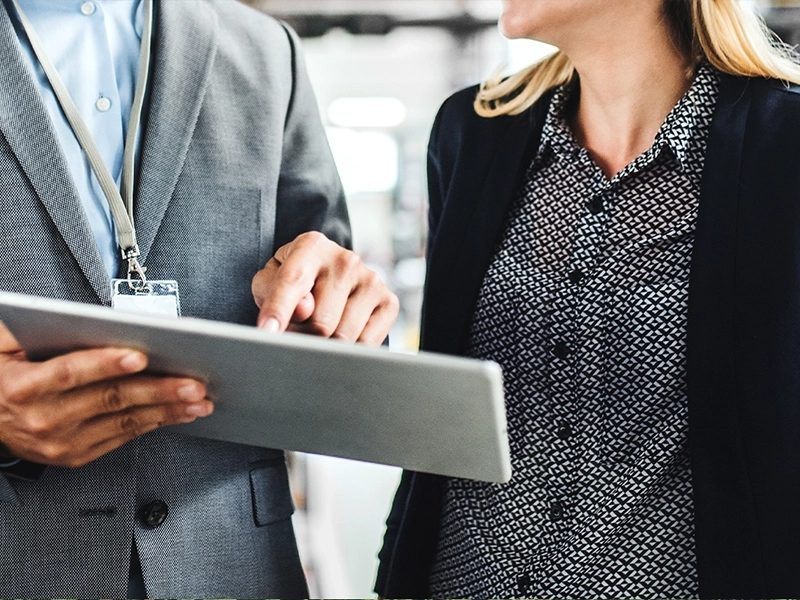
column 96, row 499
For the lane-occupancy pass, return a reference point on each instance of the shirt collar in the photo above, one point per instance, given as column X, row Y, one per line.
column 690, row 114
column 556, row 134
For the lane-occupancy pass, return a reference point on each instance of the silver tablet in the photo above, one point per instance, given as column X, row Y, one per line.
column 424, row 412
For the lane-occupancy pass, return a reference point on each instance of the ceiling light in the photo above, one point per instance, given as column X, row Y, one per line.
column 371, row 113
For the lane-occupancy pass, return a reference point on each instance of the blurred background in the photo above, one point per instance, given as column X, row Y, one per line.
column 380, row 70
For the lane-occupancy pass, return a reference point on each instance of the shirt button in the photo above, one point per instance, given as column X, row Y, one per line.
column 575, row 276
column 88, row 8
column 596, row 206
column 154, row 514
column 564, row 432
column 556, row 511
column 561, row 350
column 524, row 583
column 102, row 104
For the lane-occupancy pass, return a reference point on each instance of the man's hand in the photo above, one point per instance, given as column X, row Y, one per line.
column 313, row 285
column 72, row 409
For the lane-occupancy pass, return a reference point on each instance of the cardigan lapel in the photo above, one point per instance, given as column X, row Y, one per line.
column 25, row 124
column 476, row 207
column 727, row 564
column 183, row 55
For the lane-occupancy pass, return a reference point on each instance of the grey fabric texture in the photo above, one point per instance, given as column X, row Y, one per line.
column 7, row 493
column 234, row 162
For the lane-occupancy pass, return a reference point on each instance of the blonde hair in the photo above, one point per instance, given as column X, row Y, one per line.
column 734, row 39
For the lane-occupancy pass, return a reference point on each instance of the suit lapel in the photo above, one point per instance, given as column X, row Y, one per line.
column 472, row 222
column 183, row 54
column 25, row 124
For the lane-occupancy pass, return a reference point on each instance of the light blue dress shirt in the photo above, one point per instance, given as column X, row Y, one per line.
column 94, row 45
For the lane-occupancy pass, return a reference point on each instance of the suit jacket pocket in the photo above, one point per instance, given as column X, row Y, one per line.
column 269, row 488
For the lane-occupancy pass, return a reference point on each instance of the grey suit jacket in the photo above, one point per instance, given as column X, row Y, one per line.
column 234, row 163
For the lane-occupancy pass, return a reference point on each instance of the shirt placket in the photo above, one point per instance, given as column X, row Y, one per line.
column 570, row 295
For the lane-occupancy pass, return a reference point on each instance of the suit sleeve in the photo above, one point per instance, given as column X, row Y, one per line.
column 437, row 181
column 310, row 194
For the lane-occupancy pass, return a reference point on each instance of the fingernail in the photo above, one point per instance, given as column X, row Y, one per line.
column 200, row 410
column 271, row 325
column 135, row 361
column 192, row 392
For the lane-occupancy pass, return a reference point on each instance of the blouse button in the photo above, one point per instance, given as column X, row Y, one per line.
column 596, row 206
column 561, row 350
column 524, row 583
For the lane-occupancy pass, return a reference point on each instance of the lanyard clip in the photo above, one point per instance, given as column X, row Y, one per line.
column 135, row 270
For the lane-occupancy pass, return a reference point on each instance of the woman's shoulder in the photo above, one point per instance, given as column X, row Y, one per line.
column 767, row 111
column 458, row 125
column 777, row 87
column 456, row 115
column 778, row 103
column 460, row 107
column 772, row 97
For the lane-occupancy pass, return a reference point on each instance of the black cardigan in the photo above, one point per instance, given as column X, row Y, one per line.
column 743, row 328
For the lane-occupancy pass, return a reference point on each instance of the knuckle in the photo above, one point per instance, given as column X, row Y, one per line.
column 53, row 452
column 12, row 390
column 129, row 424
column 37, row 426
column 74, row 462
column 372, row 281
column 112, row 398
column 342, row 336
column 322, row 325
column 65, row 375
column 312, row 238
column 392, row 303
column 371, row 340
column 132, row 425
column 292, row 275
column 348, row 261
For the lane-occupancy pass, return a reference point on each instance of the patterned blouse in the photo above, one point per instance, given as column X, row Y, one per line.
column 584, row 306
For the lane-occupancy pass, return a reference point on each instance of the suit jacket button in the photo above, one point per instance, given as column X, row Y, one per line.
column 153, row 514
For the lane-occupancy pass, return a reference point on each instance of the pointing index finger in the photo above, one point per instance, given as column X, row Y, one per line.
column 294, row 274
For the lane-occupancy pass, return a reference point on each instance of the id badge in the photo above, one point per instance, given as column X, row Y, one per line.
column 151, row 298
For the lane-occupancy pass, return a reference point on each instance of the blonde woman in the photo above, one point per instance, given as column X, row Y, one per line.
column 619, row 227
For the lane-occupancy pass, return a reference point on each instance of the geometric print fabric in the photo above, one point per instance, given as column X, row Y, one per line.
column 584, row 306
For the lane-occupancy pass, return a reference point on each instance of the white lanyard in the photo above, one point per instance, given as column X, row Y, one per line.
column 120, row 202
